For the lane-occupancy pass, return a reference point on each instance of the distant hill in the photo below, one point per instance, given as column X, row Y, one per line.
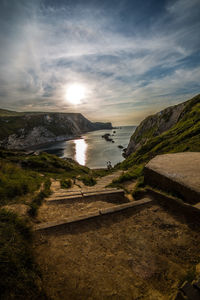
column 5, row 112
column 21, row 130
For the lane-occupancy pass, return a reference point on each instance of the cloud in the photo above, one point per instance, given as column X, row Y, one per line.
column 131, row 61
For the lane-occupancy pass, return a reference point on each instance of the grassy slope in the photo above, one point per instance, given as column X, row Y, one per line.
column 184, row 136
column 21, row 176
column 19, row 274
column 8, row 113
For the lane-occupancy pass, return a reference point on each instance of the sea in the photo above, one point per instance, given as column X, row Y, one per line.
column 91, row 149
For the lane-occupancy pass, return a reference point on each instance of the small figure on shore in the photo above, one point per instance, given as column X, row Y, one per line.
column 109, row 165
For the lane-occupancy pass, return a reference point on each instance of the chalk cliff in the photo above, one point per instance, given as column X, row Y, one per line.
column 25, row 130
column 154, row 125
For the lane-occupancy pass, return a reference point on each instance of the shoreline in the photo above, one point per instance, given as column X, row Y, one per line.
column 50, row 142
column 67, row 147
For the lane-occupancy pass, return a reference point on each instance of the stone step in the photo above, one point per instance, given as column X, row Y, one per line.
column 95, row 195
column 177, row 173
column 48, row 226
column 65, row 193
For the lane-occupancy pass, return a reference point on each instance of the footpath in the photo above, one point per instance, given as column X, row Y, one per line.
column 80, row 203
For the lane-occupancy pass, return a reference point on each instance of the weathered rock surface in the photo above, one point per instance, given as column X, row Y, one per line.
column 155, row 125
column 21, row 131
column 176, row 173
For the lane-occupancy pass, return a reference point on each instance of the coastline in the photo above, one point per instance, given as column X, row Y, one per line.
column 31, row 148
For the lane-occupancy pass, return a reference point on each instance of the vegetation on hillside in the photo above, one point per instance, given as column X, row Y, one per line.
column 26, row 179
column 21, row 175
column 184, row 136
column 8, row 113
column 19, row 274
column 24, row 123
column 88, row 180
column 37, row 200
column 16, row 182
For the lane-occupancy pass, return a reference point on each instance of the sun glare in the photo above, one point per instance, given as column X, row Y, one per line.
column 75, row 93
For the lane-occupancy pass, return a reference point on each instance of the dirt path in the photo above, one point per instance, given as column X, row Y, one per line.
column 130, row 255
column 135, row 254
column 76, row 207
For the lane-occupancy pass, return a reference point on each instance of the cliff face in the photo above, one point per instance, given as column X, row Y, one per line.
column 154, row 125
column 19, row 131
column 184, row 136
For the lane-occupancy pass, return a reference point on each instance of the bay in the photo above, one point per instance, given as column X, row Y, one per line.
column 91, row 149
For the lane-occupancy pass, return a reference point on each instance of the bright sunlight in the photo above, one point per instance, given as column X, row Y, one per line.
column 75, row 93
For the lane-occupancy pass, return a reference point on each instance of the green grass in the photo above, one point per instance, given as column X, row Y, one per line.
column 129, row 175
column 9, row 113
column 53, row 165
column 38, row 199
column 88, row 180
column 101, row 172
column 65, row 183
column 16, row 182
column 184, row 136
column 47, row 164
column 21, row 176
column 19, row 274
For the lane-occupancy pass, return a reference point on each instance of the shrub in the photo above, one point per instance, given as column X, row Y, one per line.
column 66, row 183
column 129, row 175
column 37, row 201
column 88, row 180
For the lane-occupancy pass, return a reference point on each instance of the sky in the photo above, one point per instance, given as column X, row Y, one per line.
column 132, row 57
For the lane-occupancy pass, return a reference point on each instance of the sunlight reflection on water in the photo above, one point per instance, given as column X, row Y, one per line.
column 80, row 151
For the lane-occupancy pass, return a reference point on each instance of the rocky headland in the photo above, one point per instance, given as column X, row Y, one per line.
column 155, row 125
column 26, row 130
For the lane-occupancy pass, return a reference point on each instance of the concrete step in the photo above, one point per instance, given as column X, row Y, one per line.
column 66, row 193
column 104, row 195
column 61, row 195
column 177, row 173
column 49, row 226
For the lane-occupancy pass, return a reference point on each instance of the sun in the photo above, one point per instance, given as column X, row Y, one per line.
column 75, row 93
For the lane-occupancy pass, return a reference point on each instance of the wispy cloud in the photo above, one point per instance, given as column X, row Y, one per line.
column 131, row 61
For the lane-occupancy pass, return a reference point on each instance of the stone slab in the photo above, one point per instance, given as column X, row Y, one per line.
column 63, row 199
column 98, row 213
column 67, row 193
column 178, row 173
column 112, row 195
column 124, row 206
column 51, row 225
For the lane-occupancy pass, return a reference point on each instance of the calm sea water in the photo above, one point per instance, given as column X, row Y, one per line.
column 91, row 149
